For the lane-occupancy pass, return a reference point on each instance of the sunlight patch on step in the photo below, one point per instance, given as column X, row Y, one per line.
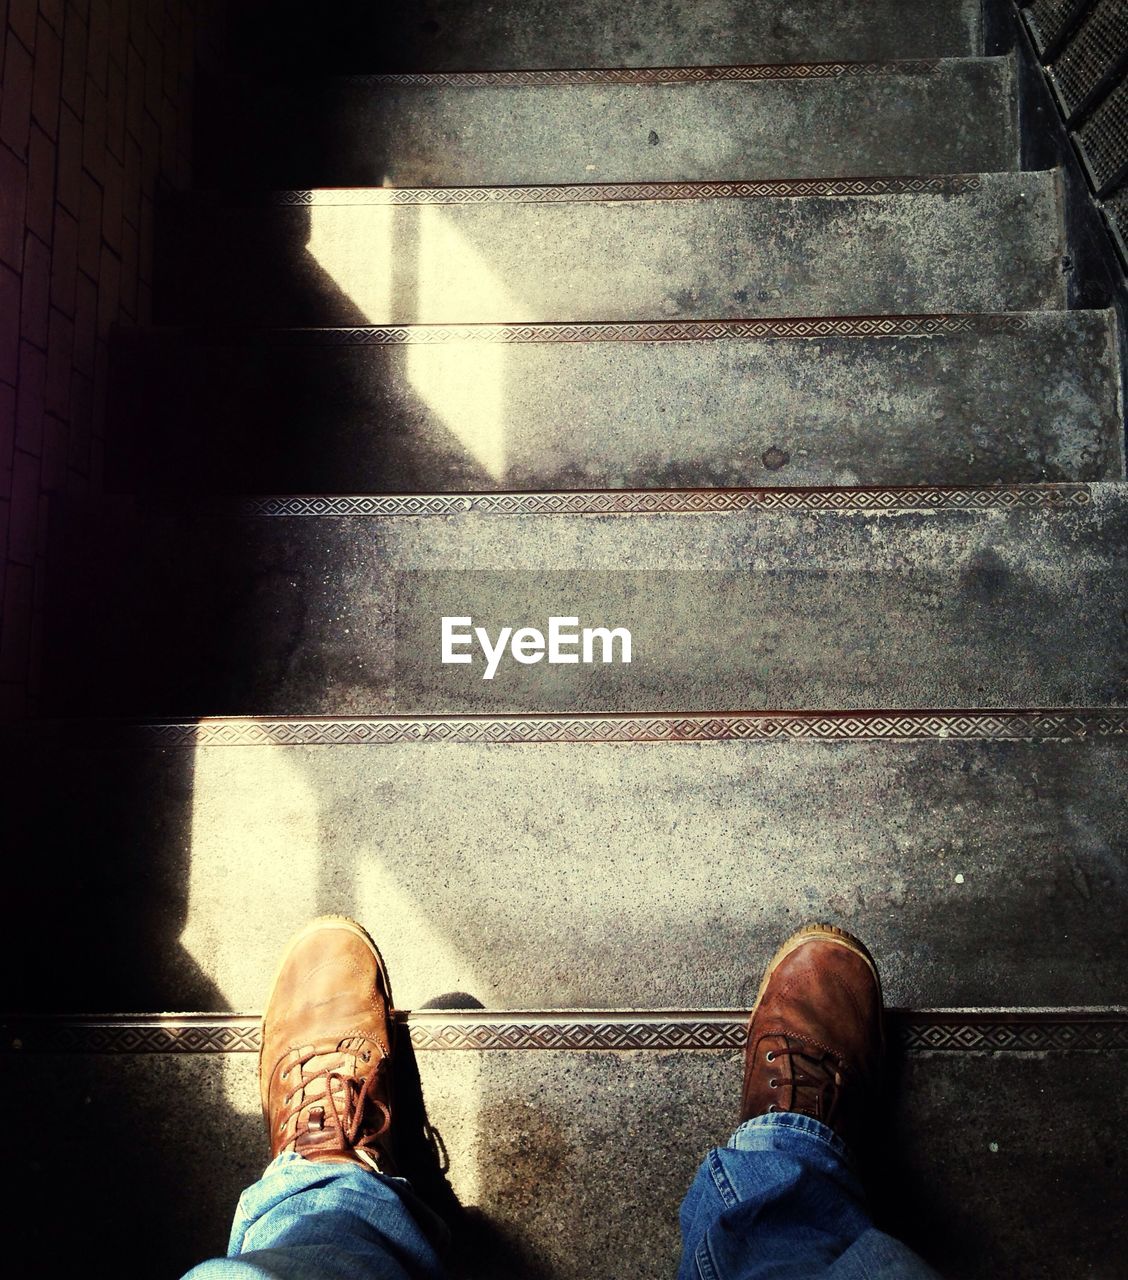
column 253, row 875
column 423, row 964
column 415, row 265
column 359, row 260
column 463, row 382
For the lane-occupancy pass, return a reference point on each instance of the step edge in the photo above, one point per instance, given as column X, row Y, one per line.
column 810, row 187
column 583, row 332
column 1013, row 1030
column 888, row 500
column 1089, row 724
column 661, row 74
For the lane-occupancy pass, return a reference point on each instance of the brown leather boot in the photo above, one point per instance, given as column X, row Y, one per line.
column 324, row 1066
column 815, row 1039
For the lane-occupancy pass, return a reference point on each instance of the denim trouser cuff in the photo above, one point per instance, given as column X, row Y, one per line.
column 774, row 1131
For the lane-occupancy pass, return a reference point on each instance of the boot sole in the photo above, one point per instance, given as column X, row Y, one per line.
column 314, row 926
column 820, row 933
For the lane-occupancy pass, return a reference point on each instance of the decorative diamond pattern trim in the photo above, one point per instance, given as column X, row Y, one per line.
column 667, row 501
column 1016, row 1033
column 630, row 1031
column 927, row 1031
column 841, row 726
column 922, row 326
column 601, row 193
column 647, row 75
column 134, row 1033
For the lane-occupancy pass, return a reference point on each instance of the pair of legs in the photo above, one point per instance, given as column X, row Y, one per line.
column 780, row 1199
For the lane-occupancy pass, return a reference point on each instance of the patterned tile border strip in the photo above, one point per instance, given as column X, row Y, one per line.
column 845, row 726
column 922, row 326
column 600, row 193
column 667, row 501
column 647, row 75
column 927, row 1031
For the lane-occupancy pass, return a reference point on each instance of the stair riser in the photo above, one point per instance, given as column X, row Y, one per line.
column 1027, row 398
column 544, row 33
column 545, row 875
column 989, row 244
column 325, row 615
column 958, row 118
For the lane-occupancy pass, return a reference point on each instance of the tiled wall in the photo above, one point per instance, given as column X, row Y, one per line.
column 95, row 122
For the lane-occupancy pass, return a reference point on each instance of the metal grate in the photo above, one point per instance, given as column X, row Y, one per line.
column 1104, row 141
column 1050, row 20
column 1100, row 45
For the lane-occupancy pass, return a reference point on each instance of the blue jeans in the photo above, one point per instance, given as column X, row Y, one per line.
column 306, row 1220
column 779, row 1201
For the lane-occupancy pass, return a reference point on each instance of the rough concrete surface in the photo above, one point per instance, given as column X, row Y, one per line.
column 728, row 611
column 571, row 1166
column 345, row 260
column 449, row 35
column 575, row 876
column 276, row 413
column 299, row 132
column 621, row 876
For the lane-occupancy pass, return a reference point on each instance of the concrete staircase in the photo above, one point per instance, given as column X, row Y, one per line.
column 765, row 355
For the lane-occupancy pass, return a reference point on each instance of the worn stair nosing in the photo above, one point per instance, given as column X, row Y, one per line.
column 948, row 184
column 1019, row 725
column 753, row 72
column 872, row 499
column 924, row 325
column 991, row 1030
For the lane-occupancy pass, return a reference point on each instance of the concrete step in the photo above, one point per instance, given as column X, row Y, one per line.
column 545, row 864
column 354, row 257
column 572, row 1165
column 747, row 599
column 885, row 401
column 666, row 124
column 448, row 34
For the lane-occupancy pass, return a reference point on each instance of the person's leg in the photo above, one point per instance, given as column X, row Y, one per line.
column 329, row 1206
column 781, row 1200
column 307, row 1220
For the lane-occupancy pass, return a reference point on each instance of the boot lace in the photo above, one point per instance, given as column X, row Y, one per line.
column 816, row 1082
column 343, row 1103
